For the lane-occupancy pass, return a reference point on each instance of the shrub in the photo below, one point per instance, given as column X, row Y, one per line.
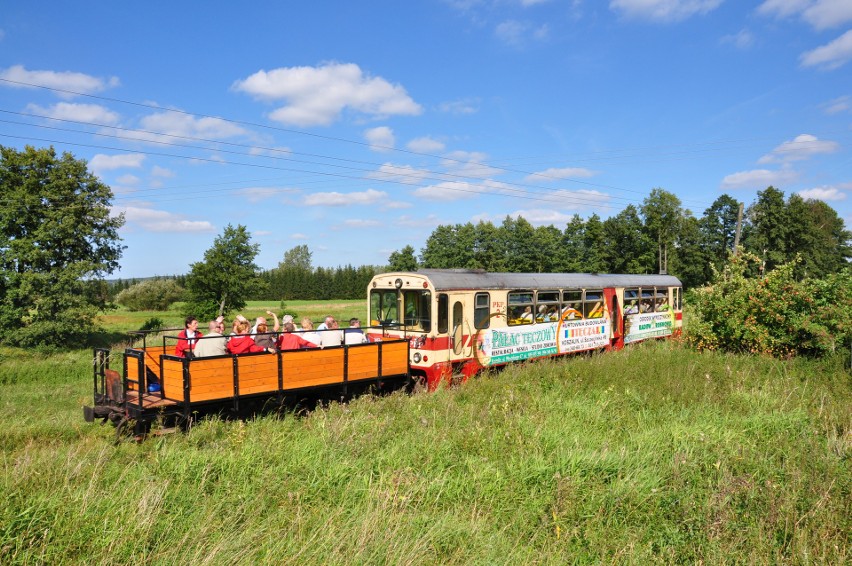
column 150, row 295
column 153, row 323
column 774, row 314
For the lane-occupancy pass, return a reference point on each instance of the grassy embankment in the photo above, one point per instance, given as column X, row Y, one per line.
column 655, row 453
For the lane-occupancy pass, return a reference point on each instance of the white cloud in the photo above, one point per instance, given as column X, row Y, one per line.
column 417, row 221
column 463, row 106
column 261, row 233
column 257, row 194
column 758, row 179
column 89, row 113
column 821, row 14
column 100, row 162
column 63, row 80
column 162, row 221
column 316, row 96
column 559, row 173
column 128, row 179
column 370, row 196
column 829, row 56
column 162, row 172
column 663, row 10
column 801, row 147
column 469, row 164
column 743, row 39
column 426, row 144
column 405, row 174
column 838, row 105
column 517, row 33
column 458, row 190
column 184, row 125
column 824, row 193
column 541, row 216
column 299, row 236
column 381, row 139
column 361, row 223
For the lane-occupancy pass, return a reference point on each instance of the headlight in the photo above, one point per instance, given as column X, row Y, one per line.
column 416, row 357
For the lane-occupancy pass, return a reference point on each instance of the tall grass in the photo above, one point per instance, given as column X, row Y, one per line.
column 653, row 454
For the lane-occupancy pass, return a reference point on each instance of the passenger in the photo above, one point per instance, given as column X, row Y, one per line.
column 527, row 317
column 662, row 305
column 263, row 337
column 261, row 320
column 570, row 312
column 331, row 336
column 308, row 331
column 325, row 324
column 632, row 308
column 289, row 318
column 187, row 338
column 214, row 343
column 645, row 306
column 242, row 342
column 541, row 316
column 289, row 340
column 552, row 314
column 354, row 334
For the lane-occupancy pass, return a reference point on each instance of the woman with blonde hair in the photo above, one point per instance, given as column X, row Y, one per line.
column 241, row 342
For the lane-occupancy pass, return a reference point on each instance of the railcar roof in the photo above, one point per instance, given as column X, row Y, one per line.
column 479, row 279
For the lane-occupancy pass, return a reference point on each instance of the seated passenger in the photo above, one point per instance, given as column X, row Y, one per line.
column 263, row 337
column 241, row 342
column 354, row 334
column 308, row 333
column 645, row 306
column 187, row 338
column 527, row 317
column 332, row 336
column 570, row 312
column 632, row 308
column 213, row 344
column 261, row 320
column 289, row 340
column 552, row 314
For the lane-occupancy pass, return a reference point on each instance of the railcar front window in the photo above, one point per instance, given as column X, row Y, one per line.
column 384, row 307
column 418, row 309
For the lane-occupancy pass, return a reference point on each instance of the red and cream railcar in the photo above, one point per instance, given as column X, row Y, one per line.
column 459, row 321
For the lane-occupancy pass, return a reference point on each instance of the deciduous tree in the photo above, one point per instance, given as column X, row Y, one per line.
column 58, row 240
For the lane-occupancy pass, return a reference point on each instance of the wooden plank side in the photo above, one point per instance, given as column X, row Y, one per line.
column 211, row 378
column 172, row 383
column 258, row 374
column 395, row 358
column 310, row 368
column 363, row 362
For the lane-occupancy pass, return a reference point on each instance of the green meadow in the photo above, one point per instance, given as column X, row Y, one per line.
column 655, row 454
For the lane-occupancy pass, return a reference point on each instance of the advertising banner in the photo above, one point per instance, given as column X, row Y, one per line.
column 648, row 325
column 512, row 344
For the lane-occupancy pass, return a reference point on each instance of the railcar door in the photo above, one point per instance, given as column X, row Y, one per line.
column 611, row 298
column 460, row 335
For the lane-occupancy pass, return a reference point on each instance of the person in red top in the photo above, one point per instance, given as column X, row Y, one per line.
column 241, row 342
column 188, row 337
column 290, row 341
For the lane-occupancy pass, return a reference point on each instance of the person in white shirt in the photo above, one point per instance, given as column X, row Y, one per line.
column 332, row 336
column 354, row 334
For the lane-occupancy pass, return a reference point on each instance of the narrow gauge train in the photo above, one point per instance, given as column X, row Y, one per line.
column 459, row 321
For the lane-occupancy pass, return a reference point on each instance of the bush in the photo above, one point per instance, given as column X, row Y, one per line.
column 150, row 295
column 774, row 314
column 153, row 323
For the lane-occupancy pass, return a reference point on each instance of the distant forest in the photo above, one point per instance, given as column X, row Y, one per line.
column 659, row 235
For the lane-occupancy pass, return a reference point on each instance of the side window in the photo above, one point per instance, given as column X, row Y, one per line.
column 647, row 302
column 520, row 307
column 593, row 306
column 481, row 311
column 661, row 302
column 631, row 301
column 572, row 305
column 679, row 301
column 547, row 306
column 443, row 313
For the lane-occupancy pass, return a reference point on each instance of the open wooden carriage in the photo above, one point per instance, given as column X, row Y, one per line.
column 235, row 384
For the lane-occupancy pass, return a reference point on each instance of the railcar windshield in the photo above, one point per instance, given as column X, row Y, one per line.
column 415, row 313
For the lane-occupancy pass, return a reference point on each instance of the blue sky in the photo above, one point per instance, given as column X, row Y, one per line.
column 356, row 128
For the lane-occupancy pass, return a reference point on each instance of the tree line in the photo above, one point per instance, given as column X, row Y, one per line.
column 660, row 235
